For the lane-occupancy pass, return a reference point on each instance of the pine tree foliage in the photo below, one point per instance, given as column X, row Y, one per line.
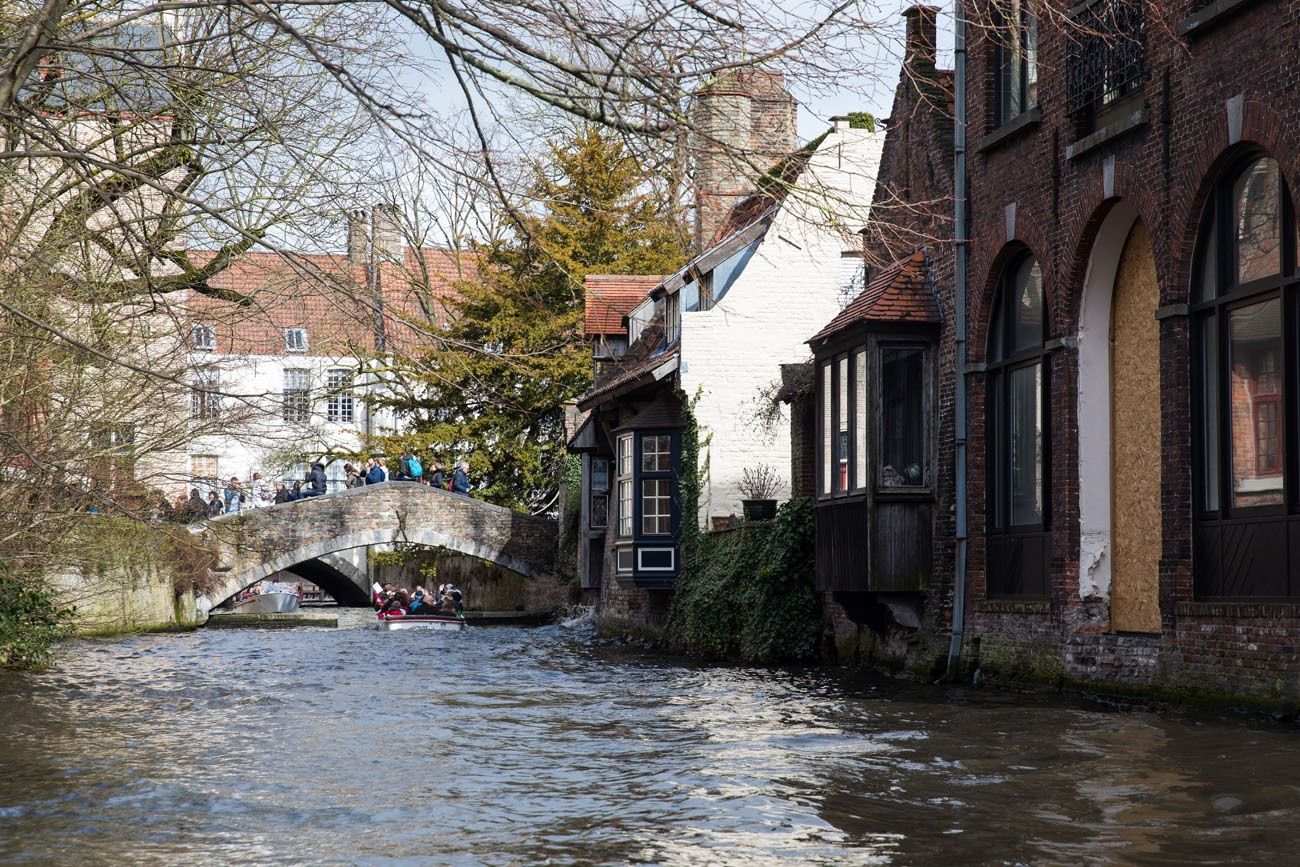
column 493, row 385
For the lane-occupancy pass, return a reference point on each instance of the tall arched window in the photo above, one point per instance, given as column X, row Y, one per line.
column 1016, row 434
column 1247, row 537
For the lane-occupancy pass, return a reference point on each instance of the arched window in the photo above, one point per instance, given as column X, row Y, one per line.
column 1016, row 434
column 1244, row 388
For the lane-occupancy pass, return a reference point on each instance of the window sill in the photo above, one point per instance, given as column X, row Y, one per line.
column 1211, row 15
column 1018, row 125
column 1122, row 126
column 1241, row 610
column 1014, row 606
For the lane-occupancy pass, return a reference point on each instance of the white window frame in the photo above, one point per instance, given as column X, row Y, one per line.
column 640, row 559
column 625, row 492
column 619, row 555
column 295, row 339
column 340, row 405
column 205, row 395
column 298, row 412
column 203, row 337
column 658, row 447
column 652, row 521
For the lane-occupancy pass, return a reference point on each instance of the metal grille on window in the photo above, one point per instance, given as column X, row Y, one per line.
column 340, row 406
column 1106, row 61
column 297, row 396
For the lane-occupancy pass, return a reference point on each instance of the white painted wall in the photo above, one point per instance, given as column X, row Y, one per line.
column 251, row 434
column 790, row 289
column 1094, row 403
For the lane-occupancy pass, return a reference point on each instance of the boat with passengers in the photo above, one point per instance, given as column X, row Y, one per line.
column 397, row 609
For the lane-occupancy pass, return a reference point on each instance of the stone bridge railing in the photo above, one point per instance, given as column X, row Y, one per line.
column 252, row 546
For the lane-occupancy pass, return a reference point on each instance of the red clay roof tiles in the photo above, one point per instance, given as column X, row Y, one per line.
column 900, row 293
column 610, row 297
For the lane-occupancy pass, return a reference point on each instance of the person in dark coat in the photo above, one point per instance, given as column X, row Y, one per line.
column 197, row 507
column 315, row 480
column 437, row 479
column 376, row 473
column 460, row 481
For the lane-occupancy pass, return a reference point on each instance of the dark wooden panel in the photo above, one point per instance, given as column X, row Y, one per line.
column 1205, row 559
column 843, row 552
column 902, row 547
column 1250, row 561
column 1016, row 565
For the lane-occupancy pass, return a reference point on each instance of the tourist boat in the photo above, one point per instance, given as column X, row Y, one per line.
column 418, row 621
column 275, row 599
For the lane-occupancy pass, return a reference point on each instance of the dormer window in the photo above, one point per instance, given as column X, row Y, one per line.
column 295, row 340
column 203, row 337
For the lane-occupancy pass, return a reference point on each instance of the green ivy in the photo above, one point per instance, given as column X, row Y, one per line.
column 31, row 623
column 748, row 593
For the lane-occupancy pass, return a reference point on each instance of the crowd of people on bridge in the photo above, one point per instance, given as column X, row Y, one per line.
column 235, row 496
column 392, row 601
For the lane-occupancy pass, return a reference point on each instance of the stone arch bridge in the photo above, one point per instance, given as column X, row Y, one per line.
column 306, row 537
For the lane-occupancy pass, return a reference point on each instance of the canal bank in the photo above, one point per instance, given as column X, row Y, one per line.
column 570, row 751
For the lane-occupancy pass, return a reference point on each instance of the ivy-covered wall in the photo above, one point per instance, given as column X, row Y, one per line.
column 747, row 593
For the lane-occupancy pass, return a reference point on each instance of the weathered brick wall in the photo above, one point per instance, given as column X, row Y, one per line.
column 1028, row 193
column 912, row 209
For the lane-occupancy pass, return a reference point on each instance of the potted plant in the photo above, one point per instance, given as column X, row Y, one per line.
column 758, row 486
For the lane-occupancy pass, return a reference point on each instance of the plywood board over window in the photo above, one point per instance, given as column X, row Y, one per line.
column 1135, row 440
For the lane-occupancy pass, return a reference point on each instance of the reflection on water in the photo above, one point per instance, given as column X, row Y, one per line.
column 539, row 746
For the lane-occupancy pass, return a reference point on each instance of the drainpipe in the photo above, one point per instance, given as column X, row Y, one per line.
column 960, row 244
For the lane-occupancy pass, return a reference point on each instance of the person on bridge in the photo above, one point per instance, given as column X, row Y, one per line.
column 234, row 495
column 352, row 478
column 460, row 481
column 262, row 495
column 437, row 479
column 195, row 507
column 315, row 480
column 214, row 506
column 374, row 472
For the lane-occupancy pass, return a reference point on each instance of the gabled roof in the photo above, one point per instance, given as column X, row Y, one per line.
column 900, row 293
column 610, row 297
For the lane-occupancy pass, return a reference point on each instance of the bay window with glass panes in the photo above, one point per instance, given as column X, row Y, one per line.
column 647, row 469
column 1244, row 379
column 875, row 463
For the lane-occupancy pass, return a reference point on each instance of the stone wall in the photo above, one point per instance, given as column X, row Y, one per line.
column 252, row 546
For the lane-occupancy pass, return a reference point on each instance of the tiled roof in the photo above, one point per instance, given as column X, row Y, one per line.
column 629, row 374
column 329, row 296
column 610, row 297
column 900, row 293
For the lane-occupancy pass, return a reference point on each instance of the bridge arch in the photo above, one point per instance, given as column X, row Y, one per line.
column 255, row 545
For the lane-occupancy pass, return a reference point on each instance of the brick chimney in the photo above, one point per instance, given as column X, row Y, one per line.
column 387, row 233
column 358, row 236
column 742, row 123
column 922, row 37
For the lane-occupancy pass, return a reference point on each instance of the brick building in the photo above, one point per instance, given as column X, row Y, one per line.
column 772, row 267
column 1132, row 363
column 284, row 379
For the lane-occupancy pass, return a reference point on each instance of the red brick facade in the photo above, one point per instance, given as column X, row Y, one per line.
column 1222, row 88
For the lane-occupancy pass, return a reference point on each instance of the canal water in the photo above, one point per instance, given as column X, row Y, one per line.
column 543, row 746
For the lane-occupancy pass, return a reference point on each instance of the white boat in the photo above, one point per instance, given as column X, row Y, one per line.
column 416, row 621
column 277, row 599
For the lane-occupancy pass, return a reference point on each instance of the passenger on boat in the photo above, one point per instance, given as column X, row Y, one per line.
column 396, row 606
column 383, row 595
column 419, row 602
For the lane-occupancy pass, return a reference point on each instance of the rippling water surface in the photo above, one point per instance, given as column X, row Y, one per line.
column 541, row 746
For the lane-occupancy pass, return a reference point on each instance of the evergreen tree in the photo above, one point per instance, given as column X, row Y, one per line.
column 493, row 385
